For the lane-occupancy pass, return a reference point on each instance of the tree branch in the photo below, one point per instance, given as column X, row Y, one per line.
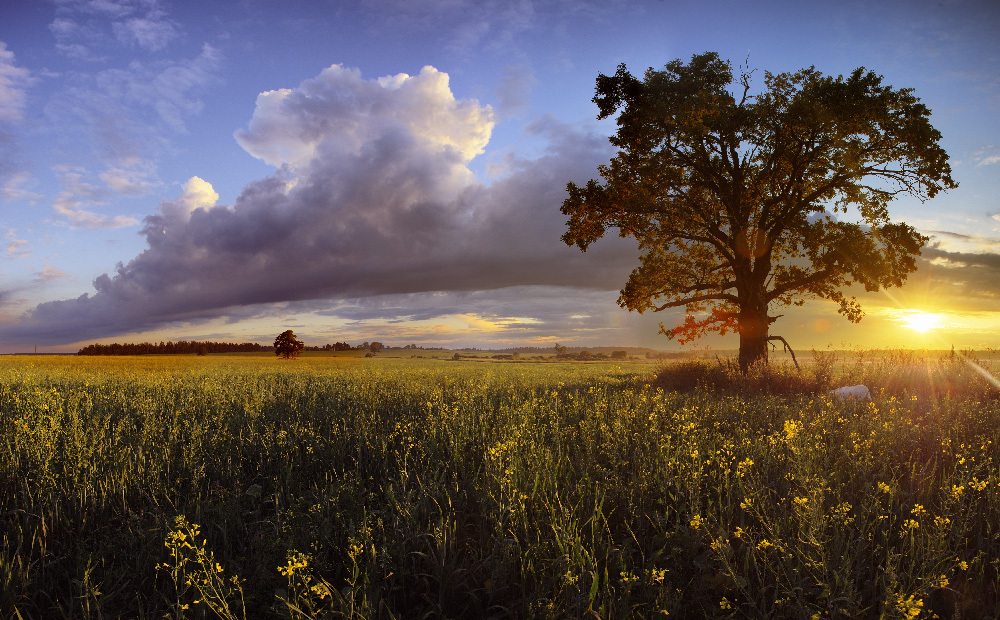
column 816, row 276
column 691, row 300
column 788, row 348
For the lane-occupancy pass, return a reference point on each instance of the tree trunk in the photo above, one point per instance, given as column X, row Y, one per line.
column 753, row 327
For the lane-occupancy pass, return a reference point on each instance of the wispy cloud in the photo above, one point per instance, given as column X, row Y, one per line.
column 121, row 99
column 134, row 177
column 153, row 31
column 73, row 204
column 81, row 27
column 14, row 247
column 465, row 26
column 14, row 82
column 14, row 185
column 133, row 107
column 129, row 115
column 969, row 239
column 987, row 156
column 514, row 89
column 49, row 274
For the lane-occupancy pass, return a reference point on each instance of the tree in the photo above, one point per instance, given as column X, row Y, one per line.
column 734, row 198
column 375, row 347
column 286, row 345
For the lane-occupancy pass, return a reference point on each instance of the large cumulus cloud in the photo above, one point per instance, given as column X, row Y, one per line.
column 372, row 195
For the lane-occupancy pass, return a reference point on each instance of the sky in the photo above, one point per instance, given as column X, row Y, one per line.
column 393, row 170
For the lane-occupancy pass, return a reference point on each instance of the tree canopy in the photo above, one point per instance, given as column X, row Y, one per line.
column 286, row 345
column 741, row 203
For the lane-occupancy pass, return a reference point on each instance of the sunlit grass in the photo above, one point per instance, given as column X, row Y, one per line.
column 236, row 486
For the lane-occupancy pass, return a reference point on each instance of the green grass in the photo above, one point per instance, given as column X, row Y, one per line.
column 226, row 486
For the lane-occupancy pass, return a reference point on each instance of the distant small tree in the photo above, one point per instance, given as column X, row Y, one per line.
column 375, row 347
column 286, row 345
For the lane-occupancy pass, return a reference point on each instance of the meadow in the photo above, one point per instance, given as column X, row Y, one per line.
column 335, row 487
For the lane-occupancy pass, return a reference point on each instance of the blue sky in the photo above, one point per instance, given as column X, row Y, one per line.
column 393, row 170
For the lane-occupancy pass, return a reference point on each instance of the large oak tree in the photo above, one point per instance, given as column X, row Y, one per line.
column 744, row 203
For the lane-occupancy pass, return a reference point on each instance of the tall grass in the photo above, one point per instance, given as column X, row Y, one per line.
column 250, row 487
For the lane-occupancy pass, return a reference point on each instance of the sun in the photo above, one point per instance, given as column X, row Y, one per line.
column 922, row 322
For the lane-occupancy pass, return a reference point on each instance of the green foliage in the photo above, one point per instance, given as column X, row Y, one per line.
column 354, row 488
column 286, row 345
column 732, row 197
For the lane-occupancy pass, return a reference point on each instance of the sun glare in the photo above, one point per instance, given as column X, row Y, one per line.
column 922, row 321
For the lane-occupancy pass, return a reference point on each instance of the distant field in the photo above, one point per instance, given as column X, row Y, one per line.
column 408, row 487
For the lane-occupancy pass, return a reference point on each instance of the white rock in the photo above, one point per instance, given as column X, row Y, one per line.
column 852, row 392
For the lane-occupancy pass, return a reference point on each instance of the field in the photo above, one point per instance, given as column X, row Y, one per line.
column 231, row 486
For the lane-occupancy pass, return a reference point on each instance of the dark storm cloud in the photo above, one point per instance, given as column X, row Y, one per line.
column 536, row 313
column 6, row 296
column 373, row 198
column 967, row 280
column 540, row 303
column 513, row 92
column 979, row 240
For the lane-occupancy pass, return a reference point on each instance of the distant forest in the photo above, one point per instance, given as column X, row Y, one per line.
column 194, row 347
column 172, row 348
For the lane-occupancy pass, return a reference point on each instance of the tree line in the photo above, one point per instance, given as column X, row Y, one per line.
column 172, row 348
column 194, row 347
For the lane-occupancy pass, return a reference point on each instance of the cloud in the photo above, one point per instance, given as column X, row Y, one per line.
column 987, row 156
column 77, row 194
column 14, row 247
column 152, row 32
column 109, row 8
column 546, row 312
column 129, row 115
column 515, row 86
column 975, row 240
column 962, row 280
column 135, row 177
column 81, row 26
column 171, row 89
column 197, row 194
column 14, row 81
column 373, row 197
column 48, row 274
column 13, row 185
column 129, row 110
column 463, row 25
column 344, row 113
